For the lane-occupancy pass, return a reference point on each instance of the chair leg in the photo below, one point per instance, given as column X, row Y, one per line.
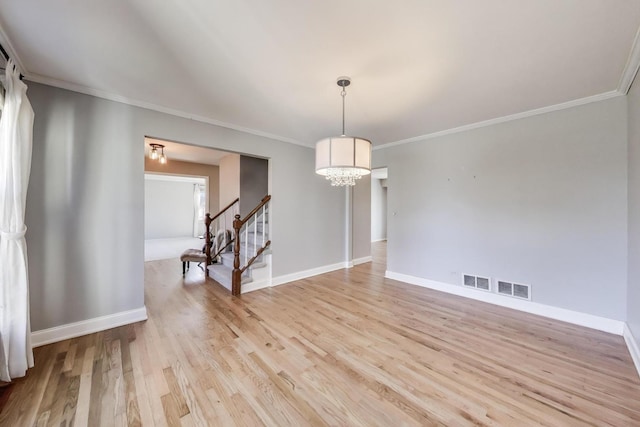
column 183, row 268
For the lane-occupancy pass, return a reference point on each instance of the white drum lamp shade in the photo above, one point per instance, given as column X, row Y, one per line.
column 343, row 159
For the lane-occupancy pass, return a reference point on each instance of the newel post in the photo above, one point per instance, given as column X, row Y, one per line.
column 236, row 277
column 207, row 240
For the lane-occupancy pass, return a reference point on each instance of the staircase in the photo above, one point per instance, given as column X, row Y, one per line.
column 244, row 258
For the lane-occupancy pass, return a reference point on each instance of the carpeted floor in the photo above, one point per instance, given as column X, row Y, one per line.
column 156, row 249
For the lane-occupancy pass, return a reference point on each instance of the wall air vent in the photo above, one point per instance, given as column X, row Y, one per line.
column 505, row 288
column 512, row 289
column 477, row 282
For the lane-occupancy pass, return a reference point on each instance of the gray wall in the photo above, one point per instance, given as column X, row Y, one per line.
column 633, row 292
column 85, row 206
column 168, row 209
column 84, row 209
column 254, row 182
column 541, row 200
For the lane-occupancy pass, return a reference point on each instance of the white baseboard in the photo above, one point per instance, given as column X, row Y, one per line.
column 281, row 280
column 89, row 326
column 632, row 345
column 362, row 260
column 255, row 285
column 299, row 275
column 577, row 318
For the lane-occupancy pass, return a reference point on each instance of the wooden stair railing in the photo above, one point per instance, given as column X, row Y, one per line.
column 238, row 223
column 207, row 222
column 214, row 256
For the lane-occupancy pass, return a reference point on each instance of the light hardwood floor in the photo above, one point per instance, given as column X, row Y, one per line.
column 347, row 348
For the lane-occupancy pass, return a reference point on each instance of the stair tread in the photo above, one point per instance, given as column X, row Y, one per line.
column 222, row 274
column 227, row 259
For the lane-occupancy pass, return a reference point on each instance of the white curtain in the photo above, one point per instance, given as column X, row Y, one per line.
column 16, row 132
column 196, row 211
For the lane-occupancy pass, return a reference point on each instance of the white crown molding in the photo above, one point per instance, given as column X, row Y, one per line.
column 178, row 113
column 633, row 347
column 89, row 326
column 149, row 106
column 577, row 318
column 631, row 67
column 504, row 119
column 6, row 43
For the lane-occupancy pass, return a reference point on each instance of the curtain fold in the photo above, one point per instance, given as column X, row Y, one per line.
column 16, row 134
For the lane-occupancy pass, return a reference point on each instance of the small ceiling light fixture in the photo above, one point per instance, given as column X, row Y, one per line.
column 163, row 158
column 154, row 155
column 343, row 159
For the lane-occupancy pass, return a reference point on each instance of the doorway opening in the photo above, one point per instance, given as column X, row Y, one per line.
column 379, row 212
column 190, row 182
column 379, row 205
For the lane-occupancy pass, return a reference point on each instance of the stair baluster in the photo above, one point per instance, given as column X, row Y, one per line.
column 236, row 278
column 264, row 210
column 207, row 239
column 212, row 225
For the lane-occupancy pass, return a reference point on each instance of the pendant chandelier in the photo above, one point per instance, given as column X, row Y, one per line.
column 343, row 159
column 155, row 155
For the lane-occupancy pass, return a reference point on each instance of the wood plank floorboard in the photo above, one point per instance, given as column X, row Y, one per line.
column 347, row 348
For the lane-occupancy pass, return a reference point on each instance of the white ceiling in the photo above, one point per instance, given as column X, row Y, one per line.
column 269, row 66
